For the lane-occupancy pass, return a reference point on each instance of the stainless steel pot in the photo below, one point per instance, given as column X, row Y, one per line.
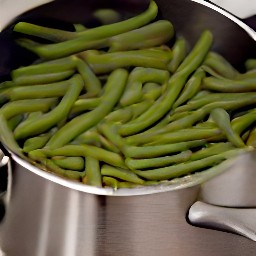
column 45, row 215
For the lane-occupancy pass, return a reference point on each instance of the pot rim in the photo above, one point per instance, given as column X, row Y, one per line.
column 175, row 184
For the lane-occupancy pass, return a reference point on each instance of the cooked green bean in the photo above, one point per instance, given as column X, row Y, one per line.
column 110, row 182
column 74, row 163
column 85, row 121
column 138, row 76
column 160, row 150
column 14, row 108
column 54, row 116
column 123, row 174
column 58, row 65
column 157, row 161
column 91, row 81
column 86, row 150
column 220, row 65
column 222, row 119
column 107, row 62
column 90, row 34
column 82, row 105
column 153, row 34
column 179, row 54
column 251, row 141
column 226, row 85
column 174, row 86
column 250, row 64
column 15, row 121
column 57, row 89
column 93, row 172
column 151, row 91
column 212, row 149
column 178, row 170
column 50, row 77
column 191, row 87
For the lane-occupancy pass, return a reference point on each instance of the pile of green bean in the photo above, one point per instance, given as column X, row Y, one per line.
column 126, row 104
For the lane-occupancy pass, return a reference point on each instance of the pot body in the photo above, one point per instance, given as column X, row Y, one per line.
column 47, row 219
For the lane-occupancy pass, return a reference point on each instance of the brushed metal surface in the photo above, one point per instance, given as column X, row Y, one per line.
column 47, row 219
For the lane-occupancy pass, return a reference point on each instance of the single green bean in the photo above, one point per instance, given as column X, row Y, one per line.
column 153, row 34
column 226, row 85
column 87, row 150
column 58, row 65
column 123, row 174
column 91, row 81
column 90, row 34
column 251, row 141
column 137, row 164
column 57, row 89
column 82, row 105
column 222, row 119
column 93, row 172
column 54, row 116
column 74, row 163
column 212, row 149
column 182, row 169
column 187, row 134
column 50, row 77
column 191, row 88
column 14, row 108
column 7, row 137
column 250, row 64
column 220, row 65
column 151, row 91
column 179, row 54
column 110, row 182
column 160, row 150
column 85, row 121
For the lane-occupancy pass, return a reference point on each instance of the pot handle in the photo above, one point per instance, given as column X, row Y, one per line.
column 240, row 221
column 5, row 181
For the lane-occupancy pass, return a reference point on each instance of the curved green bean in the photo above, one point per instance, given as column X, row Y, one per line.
column 74, row 163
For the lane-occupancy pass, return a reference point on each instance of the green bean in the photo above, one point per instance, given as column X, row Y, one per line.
column 56, row 115
column 93, row 172
column 74, row 163
column 107, row 16
column 217, row 97
column 187, row 134
column 58, row 65
column 153, row 34
column 191, row 87
column 137, row 164
column 7, row 138
column 151, row 91
column 212, row 149
column 133, row 92
column 243, row 122
column 179, row 54
column 107, row 62
column 220, row 65
column 57, row 89
column 87, row 150
column 90, row 34
column 247, row 75
column 91, row 82
column 226, row 85
column 85, row 121
column 38, row 141
column 251, row 141
column 79, row 27
column 222, row 119
column 123, row 174
column 160, row 150
column 250, row 64
column 82, row 105
column 14, row 108
column 178, row 170
column 70, row 174
column 110, row 182
column 50, row 77
column 14, row 121
column 174, row 86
